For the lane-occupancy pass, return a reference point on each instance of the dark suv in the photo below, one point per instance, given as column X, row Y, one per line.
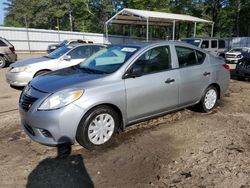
column 242, row 69
column 7, row 52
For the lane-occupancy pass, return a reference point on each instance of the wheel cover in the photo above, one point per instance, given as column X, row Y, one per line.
column 1, row 62
column 101, row 129
column 210, row 99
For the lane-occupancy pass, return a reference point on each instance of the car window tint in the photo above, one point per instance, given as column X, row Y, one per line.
column 200, row 56
column 205, row 44
column 2, row 43
column 155, row 60
column 214, row 44
column 97, row 48
column 80, row 52
column 222, row 44
column 188, row 57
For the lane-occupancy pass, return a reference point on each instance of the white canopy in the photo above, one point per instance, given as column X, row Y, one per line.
column 143, row 17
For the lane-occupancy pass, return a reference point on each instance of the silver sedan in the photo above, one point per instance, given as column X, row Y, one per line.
column 25, row 70
column 119, row 86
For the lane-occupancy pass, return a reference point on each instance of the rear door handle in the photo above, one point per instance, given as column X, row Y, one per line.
column 169, row 81
column 206, row 73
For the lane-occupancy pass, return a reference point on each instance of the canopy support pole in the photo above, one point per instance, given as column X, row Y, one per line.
column 212, row 32
column 106, row 32
column 173, row 30
column 195, row 29
column 147, row 29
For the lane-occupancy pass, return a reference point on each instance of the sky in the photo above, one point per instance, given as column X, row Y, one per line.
column 1, row 11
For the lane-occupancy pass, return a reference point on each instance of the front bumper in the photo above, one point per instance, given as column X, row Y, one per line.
column 19, row 79
column 52, row 127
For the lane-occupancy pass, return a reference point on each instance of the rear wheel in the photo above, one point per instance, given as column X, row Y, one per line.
column 98, row 127
column 209, row 99
column 2, row 62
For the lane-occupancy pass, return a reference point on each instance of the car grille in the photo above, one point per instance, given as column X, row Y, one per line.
column 229, row 56
column 26, row 101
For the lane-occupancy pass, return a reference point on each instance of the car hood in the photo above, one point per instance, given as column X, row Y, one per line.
column 63, row 79
column 30, row 61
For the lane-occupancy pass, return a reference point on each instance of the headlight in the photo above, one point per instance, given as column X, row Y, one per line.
column 60, row 99
column 239, row 56
column 19, row 69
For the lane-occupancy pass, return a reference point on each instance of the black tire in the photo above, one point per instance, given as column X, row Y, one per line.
column 39, row 73
column 240, row 78
column 2, row 62
column 202, row 106
column 83, row 127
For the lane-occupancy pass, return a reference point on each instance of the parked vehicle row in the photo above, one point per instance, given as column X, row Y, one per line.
column 7, row 52
column 118, row 86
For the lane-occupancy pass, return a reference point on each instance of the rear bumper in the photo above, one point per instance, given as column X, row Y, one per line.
column 11, row 57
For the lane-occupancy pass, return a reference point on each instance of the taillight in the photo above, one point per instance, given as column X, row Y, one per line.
column 226, row 66
column 12, row 49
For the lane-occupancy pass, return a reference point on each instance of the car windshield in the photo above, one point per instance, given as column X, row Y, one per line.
column 239, row 50
column 63, row 43
column 59, row 52
column 109, row 60
column 195, row 42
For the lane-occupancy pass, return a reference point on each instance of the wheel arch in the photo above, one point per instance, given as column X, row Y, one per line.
column 41, row 71
column 114, row 107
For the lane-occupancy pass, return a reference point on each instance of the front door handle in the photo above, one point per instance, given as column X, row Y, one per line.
column 169, row 81
column 206, row 73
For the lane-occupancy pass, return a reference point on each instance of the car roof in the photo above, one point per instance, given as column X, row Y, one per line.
column 86, row 44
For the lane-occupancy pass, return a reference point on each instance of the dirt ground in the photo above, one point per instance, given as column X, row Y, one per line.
column 182, row 149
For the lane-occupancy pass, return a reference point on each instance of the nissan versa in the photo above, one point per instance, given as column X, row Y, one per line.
column 119, row 86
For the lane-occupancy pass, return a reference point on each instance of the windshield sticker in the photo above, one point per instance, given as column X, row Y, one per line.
column 196, row 40
column 128, row 49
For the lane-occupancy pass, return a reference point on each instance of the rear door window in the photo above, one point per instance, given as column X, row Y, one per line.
column 222, row 44
column 214, row 44
column 189, row 57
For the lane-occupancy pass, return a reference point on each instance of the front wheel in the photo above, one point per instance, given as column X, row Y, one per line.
column 209, row 99
column 98, row 127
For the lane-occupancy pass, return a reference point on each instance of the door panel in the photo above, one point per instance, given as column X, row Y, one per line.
column 149, row 94
column 157, row 89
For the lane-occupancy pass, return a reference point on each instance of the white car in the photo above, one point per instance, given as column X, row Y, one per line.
column 234, row 55
column 25, row 70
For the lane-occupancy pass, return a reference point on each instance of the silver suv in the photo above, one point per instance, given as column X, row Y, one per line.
column 118, row 86
column 215, row 46
column 7, row 52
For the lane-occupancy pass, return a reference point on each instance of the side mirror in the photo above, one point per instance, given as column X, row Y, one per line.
column 66, row 57
column 135, row 71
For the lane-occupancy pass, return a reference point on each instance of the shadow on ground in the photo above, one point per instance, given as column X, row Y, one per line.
column 62, row 171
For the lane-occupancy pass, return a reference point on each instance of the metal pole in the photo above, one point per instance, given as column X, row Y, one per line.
column 147, row 29
column 106, row 32
column 212, row 32
column 173, row 30
column 194, row 29
column 27, row 31
column 58, row 28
